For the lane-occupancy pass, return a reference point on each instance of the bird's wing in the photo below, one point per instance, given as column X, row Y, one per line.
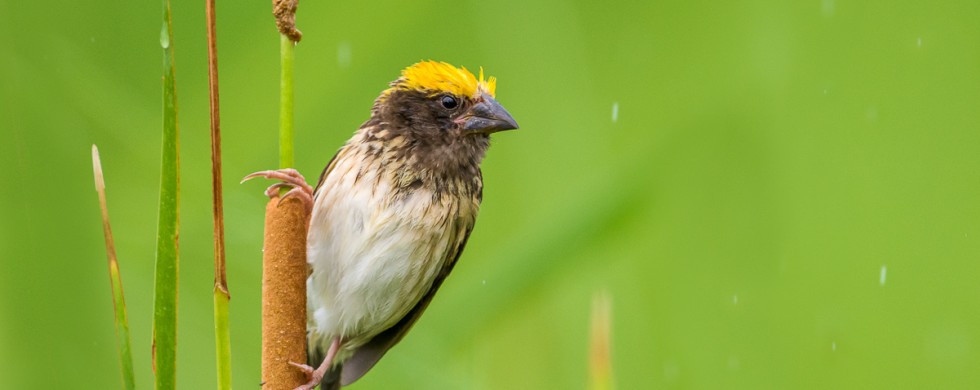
column 326, row 171
column 367, row 355
column 315, row 351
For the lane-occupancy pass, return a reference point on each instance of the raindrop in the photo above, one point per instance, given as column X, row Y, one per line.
column 872, row 114
column 733, row 363
column 671, row 371
column 827, row 7
column 164, row 37
column 343, row 54
column 918, row 42
column 615, row 112
column 882, row 275
column 735, row 299
column 833, row 346
column 484, row 282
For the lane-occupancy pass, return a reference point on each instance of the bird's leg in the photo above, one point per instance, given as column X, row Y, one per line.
column 315, row 376
column 291, row 178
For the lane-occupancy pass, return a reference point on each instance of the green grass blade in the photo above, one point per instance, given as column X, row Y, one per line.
column 115, row 280
column 165, row 287
column 286, row 56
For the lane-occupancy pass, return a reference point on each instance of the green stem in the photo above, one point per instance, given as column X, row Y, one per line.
column 286, row 55
column 222, row 338
column 165, row 283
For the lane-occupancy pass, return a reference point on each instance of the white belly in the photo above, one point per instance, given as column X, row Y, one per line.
column 372, row 259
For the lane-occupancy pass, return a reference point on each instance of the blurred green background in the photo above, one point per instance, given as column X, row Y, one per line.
column 774, row 194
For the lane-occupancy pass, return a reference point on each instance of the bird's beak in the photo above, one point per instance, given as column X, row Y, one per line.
column 486, row 117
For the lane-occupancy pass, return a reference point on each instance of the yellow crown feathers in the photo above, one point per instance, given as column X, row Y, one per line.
column 440, row 77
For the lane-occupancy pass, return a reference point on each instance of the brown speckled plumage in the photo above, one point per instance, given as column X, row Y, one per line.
column 406, row 138
column 392, row 212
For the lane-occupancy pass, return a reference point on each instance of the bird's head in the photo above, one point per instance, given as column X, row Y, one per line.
column 436, row 99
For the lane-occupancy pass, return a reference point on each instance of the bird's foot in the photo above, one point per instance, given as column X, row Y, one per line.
column 291, row 179
column 313, row 376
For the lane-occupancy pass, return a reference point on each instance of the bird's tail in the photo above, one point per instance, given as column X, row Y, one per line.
column 331, row 381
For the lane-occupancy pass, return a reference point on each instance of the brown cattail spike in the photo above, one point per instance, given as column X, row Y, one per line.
column 284, row 273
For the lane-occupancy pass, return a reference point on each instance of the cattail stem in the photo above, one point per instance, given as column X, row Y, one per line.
column 286, row 56
column 284, row 268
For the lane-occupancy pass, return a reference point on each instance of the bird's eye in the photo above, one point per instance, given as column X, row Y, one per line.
column 449, row 102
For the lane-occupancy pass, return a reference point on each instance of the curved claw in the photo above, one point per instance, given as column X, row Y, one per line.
column 298, row 192
column 302, row 367
column 265, row 174
column 288, row 175
column 252, row 176
column 291, row 178
column 311, row 376
column 273, row 190
column 315, row 376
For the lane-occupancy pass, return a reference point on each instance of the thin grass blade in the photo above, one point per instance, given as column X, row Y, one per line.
column 115, row 280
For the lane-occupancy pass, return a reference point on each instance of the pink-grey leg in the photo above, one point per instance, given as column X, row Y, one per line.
column 315, row 376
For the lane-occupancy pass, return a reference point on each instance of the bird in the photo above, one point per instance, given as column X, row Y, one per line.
column 391, row 214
